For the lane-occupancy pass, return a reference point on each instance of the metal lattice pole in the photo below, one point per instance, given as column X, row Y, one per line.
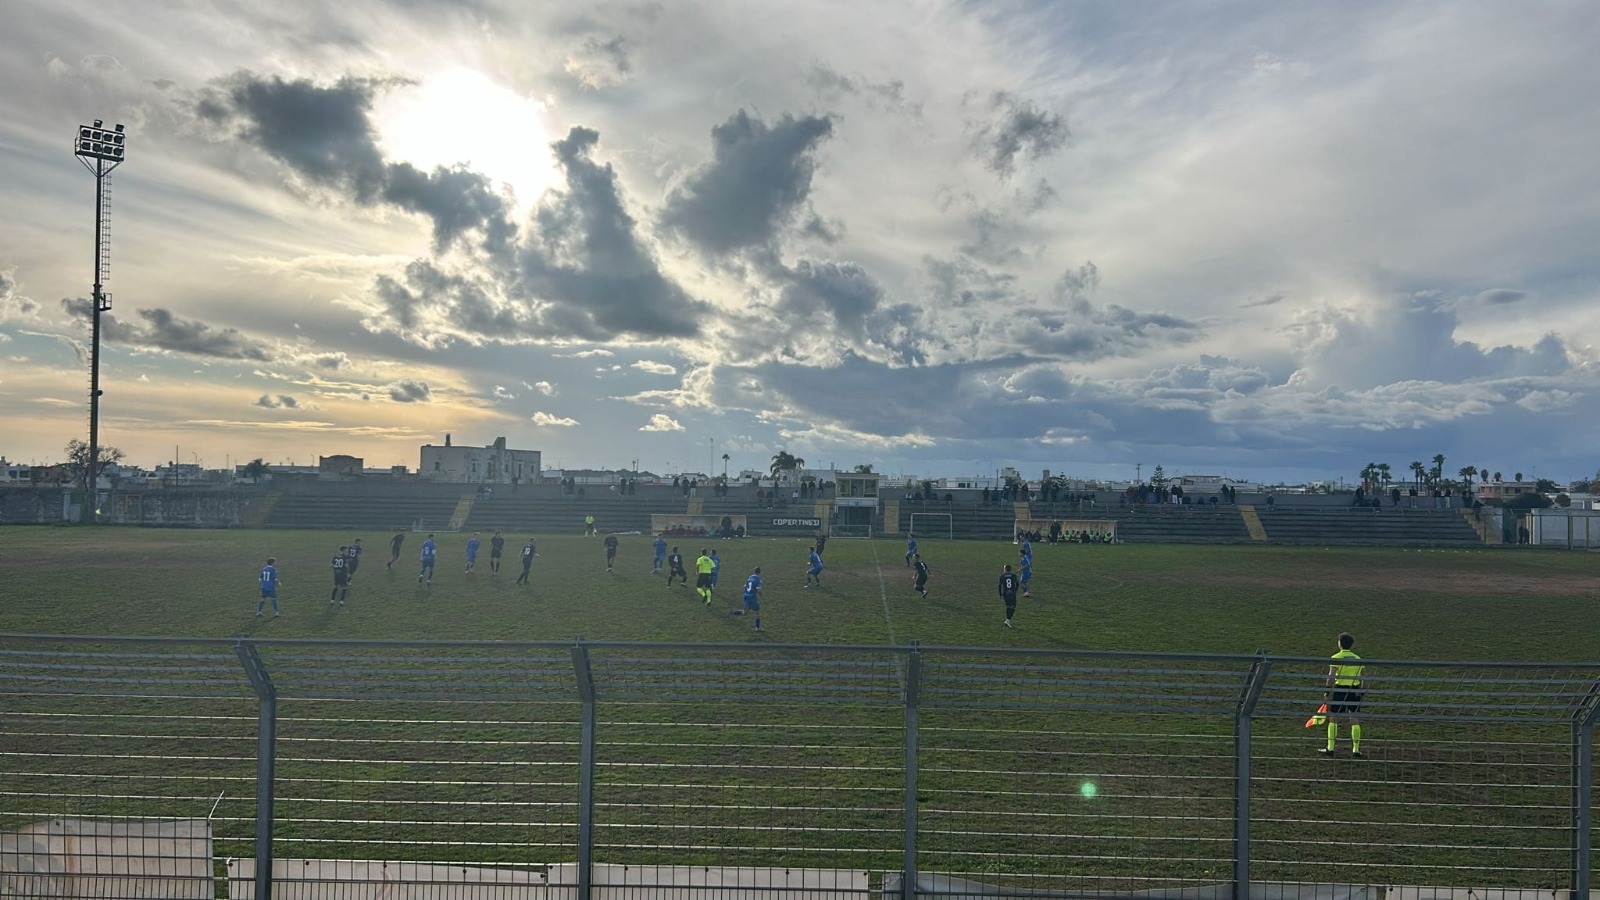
column 100, row 151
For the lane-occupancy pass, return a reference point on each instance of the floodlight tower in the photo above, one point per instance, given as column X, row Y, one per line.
column 100, row 151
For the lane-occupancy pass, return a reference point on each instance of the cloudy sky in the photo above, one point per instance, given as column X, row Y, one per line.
column 1276, row 241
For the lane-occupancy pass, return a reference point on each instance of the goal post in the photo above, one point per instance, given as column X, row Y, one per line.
column 933, row 525
column 849, row 531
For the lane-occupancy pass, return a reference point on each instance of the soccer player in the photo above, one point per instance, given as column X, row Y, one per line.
column 921, row 584
column 1008, row 592
column 702, row 578
column 1026, row 574
column 1027, row 548
column 911, row 548
column 269, row 587
column 716, row 567
column 822, row 541
column 497, row 549
column 588, row 526
column 814, row 568
column 430, row 550
column 1344, row 695
column 675, row 568
column 341, row 577
column 661, row 554
column 528, row 553
column 354, row 555
column 472, row 552
column 611, row 551
column 394, row 548
column 752, row 596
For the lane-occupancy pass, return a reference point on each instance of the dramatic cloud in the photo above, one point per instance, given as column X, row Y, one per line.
column 161, row 330
column 13, row 304
column 324, row 134
column 1017, row 128
column 555, row 421
column 661, row 422
column 756, row 183
column 409, row 391
column 282, row 401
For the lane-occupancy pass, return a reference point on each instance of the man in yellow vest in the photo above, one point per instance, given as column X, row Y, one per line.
column 702, row 580
column 1344, row 695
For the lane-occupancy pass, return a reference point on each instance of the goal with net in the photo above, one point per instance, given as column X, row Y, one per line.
column 933, row 525
column 849, row 531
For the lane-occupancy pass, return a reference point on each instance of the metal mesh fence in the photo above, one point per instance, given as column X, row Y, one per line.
column 176, row 768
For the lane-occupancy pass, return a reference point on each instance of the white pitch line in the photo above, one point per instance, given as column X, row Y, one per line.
column 883, row 589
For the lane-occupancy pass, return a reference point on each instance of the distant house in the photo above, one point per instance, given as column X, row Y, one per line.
column 339, row 467
column 1501, row 491
column 494, row 464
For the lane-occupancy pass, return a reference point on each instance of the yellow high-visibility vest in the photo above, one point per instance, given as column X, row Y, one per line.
column 1346, row 675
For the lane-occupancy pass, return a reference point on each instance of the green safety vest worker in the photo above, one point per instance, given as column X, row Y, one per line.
column 1345, row 675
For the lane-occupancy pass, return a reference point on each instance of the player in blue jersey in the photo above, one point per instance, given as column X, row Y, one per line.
column 1025, row 574
column 472, row 552
column 269, row 587
column 660, row 546
column 341, row 577
column 1026, row 549
column 814, row 569
column 716, row 567
column 911, row 548
column 430, row 550
column 752, row 596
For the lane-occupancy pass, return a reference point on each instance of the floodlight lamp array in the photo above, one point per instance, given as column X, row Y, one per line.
column 96, row 142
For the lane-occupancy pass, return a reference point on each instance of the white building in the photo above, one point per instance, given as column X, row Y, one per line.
column 494, row 464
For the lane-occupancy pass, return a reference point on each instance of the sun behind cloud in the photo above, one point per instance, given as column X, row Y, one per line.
column 462, row 116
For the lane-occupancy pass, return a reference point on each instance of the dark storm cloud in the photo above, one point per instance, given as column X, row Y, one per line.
column 161, row 330
column 324, row 133
column 756, row 183
column 841, row 290
column 1017, row 128
column 409, row 391
column 282, row 401
column 593, row 276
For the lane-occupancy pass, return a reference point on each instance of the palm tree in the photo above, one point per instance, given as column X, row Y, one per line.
column 864, row 468
column 1418, row 472
column 1499, row 477
column 783, row 461
column 1383, row 474
column 1467, row 473
column 1369, row 473
column 725, row 458
column 1518, row 476
column 1438, row 467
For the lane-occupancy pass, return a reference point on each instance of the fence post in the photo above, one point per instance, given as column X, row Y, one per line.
column 1255, row 681
column 908, row 878
column 1583, row 789
column 266, row 761
column 580, row 665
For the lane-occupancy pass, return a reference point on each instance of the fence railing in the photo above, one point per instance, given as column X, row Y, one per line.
column 322, row 768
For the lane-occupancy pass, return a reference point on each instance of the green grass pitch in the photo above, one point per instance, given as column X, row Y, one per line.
column 1490, row 604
